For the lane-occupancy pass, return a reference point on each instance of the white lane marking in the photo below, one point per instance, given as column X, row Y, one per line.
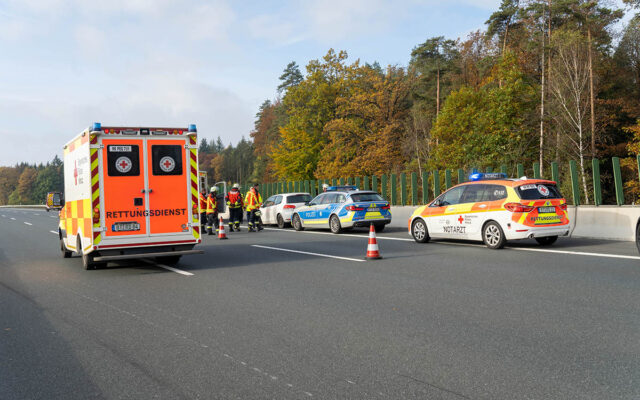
column 365, row 236
column 176, row 270
column 577, row 253
column 4, row 216
column 307, row 252
column 308, row 394
column 351, row 382
column 54, row 232
column 13, row 219
column 52, row 216
column 28, row 223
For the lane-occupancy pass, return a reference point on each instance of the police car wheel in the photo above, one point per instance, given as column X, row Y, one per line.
column 297, row 224
column 547, row 240
column 638, row 236
column 493, row 236
column 419, row 231
column 280, row 221
column 334, row 224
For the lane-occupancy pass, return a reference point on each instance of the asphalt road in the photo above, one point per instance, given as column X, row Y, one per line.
column 443, row 320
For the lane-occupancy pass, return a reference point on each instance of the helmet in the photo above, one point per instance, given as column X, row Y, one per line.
column 324, row 186
column 236, row 186
column 214, row 189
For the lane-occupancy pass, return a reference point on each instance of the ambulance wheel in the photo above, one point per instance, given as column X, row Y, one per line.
column 419, row 231
column 379, row 227
column 169, row 260
column 334, row 224
column 546, row 241
column 281, row 223
column 297, row 224
column 65, row 253
column 493, row 236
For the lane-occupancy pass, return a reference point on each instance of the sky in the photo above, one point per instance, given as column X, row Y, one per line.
column 65, row 64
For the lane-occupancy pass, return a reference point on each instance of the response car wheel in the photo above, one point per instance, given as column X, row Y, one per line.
column 297, row 224
column 419, row 231
column 493, row 236
column 547, row 240
column 280, row 221
column 65, row 253
column 334, row 224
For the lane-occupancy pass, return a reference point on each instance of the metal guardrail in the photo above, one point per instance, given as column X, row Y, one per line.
column 39, row 206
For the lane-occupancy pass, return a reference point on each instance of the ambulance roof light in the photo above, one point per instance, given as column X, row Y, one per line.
column 96, row 126
column 192, row 128
column 479, row 176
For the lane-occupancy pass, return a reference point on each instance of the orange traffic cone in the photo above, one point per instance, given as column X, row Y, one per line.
column 222, row 234
column 372, row 250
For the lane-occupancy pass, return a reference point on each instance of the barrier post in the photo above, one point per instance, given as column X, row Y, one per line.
column 425, row 187
column 296, row 186
column 536, row 170
column 597, row 189
column 617, row 175
column 575, row 188
column 436, row 183
column 312, row 187
column 520, row 169
column 489, row 170
column 638, row 162
column 555, row 174
column 503, row 169
column 460, row 175
column 403, row 189
column 383, row 186
column 341, row 180
column 414, row 189
column 306, row 186
column 366, row 182
column 374, row 184
column 447, row 178
column 394, row 189
column 358, row 182
column 349, row 181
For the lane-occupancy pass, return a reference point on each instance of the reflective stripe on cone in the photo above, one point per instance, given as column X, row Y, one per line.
column 222, row 234
column 372, row 249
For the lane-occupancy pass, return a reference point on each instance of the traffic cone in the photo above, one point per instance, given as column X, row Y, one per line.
column 222, row 234
column 372, row 250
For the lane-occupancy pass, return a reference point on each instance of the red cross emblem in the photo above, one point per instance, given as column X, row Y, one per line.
column 75, row 171
column 167, row 164
column 123, row 164
column 461, row 219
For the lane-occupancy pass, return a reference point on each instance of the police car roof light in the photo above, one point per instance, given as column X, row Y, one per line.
column 192, row 128
column 96, row 126
column 335, row 188
column 479, row 176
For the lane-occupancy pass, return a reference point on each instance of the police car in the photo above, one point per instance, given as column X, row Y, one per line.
column 494, row 209
column 343, row 207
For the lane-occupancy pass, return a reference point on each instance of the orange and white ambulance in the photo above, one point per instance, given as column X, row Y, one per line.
column 130, row 192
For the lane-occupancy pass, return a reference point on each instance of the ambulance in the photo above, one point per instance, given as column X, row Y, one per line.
column 130, row 192
column 54, row 201
column 494, row 209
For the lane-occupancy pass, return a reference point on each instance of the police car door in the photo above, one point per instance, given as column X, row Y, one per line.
column 309, row 213
column 443, row 221
column 325, row 209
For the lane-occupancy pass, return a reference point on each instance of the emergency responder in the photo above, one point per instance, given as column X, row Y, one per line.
column 212, row 211
column 324, row 187
column 234, row 202
column 203, row 210
column 253, row 201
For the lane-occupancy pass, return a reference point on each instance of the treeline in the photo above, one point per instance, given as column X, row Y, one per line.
column 230, row 164
column 29, row 183
column 546, row 81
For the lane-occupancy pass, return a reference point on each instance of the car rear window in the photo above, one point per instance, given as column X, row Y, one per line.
column 538, row 191
column 298, row 198
column 366, row 197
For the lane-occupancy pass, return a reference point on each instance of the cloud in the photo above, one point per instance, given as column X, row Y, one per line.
column 274, row 29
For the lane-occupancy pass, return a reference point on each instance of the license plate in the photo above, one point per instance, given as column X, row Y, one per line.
column 125, row 227
column 546, row 210
column 373, row 209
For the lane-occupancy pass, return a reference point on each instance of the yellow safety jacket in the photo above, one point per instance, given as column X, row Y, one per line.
column 253, row 200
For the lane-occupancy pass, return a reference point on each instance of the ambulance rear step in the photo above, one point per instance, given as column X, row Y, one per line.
column 127, row 256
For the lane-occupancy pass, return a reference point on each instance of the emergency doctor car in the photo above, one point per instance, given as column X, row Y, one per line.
column 494, row 209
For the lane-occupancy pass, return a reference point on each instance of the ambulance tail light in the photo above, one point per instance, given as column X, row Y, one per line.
column 96, row 215
column 563, row 206
column 354, row 208
column 518, row 208
column 386, row 207
column 288, row 206
column 195, row 209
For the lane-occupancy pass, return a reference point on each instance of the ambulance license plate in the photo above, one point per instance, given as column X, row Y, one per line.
column 542, row 210
column 125, row 227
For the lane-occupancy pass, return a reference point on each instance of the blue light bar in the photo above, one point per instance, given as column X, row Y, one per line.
column 479, row 176
column 347, row 187
column 192, row 128
column 96, row 126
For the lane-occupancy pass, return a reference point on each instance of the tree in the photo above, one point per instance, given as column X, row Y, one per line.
column 570, row 91
column 24, row 190
column 204, row 146
column 8, row 182
column 290, row 77
column 628, row 53
column 500, row 21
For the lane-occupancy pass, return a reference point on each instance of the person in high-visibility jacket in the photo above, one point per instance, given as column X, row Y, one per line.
column 252, row 202
column 203, row 210
column 234, row 202
column 212, row 211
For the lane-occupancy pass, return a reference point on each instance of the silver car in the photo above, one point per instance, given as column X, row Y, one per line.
column 278, row 208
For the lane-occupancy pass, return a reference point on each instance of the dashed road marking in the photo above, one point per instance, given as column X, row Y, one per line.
column 577, row 253
column 28, row 223
column 176, row 270
column 13, row 219
column 54, row 232
column 351, row 382
column 307, row 252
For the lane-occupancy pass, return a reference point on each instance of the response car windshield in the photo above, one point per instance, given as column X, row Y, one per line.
column 538, row 192
column 366, row 197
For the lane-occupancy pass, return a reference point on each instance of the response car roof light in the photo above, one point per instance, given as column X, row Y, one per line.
column 479, row 176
